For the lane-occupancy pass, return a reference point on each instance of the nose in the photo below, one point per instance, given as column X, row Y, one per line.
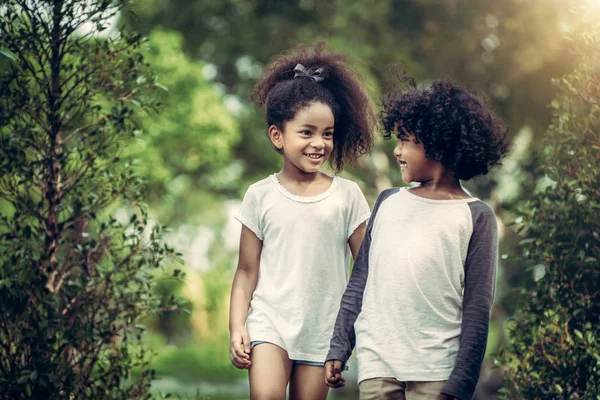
column 318, row 143
column 398, row 149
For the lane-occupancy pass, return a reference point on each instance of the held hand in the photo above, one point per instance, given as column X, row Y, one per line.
column 239, row 349
column 333, row 374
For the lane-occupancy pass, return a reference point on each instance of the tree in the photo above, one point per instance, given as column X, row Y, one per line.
column 192, row 137
column 75, row 280
column 554, row 349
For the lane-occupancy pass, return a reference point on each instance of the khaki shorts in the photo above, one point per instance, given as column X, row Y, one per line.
column 392, row 389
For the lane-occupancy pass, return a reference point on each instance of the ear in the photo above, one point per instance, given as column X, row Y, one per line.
column 276, row 137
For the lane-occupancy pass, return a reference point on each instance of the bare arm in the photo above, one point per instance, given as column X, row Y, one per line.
column 244, row 283
column 356, row 239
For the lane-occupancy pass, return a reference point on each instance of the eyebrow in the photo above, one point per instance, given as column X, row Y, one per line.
column 314, row 127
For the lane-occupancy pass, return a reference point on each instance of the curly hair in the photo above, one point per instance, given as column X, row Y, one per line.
column 341, row 89
column 455, row 127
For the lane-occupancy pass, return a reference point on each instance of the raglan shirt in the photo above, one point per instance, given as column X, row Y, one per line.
column 417, row 305
column 304, row 262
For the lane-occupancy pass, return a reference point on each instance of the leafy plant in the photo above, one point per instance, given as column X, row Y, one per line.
column 78, row 253
column 554, row 350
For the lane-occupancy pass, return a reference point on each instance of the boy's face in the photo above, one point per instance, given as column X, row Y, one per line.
column 415, row 166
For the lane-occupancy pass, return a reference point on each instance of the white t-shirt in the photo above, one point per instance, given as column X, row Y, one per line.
column 304, row 264
column 409, row 327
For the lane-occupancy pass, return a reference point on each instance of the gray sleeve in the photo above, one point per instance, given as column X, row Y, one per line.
column 344, row 338
column 480, row 282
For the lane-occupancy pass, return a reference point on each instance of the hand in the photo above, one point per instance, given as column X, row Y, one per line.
column 239, row 348
column 333, row 374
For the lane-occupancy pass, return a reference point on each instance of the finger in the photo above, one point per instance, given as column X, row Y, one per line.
column 236, row 343
column 239, row 351
column 246, row 342
column 240, row 366
column 239, row 356
column 337, row 368
column 244, row 359
column 336, row 385
column 337, row 365
column 329, row 372
column 240, row 362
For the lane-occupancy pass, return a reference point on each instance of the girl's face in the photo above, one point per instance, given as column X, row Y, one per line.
column 307, row 139
column 415, row 166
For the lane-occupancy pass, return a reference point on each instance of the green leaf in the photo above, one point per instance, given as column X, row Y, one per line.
column 8, row 55
column 559, row 388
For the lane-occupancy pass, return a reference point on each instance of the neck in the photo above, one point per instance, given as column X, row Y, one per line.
column 444, row 182
column 293, row 174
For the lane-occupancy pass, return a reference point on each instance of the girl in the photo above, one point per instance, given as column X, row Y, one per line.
column 299, row 225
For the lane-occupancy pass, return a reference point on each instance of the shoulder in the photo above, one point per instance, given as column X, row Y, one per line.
column 348, row 187
column 346, row 184
column 261, row 186
column 481, row 210
column 387, row 193
column 483, row 216
column 384, row 195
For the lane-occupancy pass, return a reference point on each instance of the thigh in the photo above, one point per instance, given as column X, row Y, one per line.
column 308, row 383
column 381, row 388
column 269, row 373
column 424, row 390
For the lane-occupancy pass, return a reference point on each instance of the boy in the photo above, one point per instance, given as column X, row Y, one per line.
column 418, row 302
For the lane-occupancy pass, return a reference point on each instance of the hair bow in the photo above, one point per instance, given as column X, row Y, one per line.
column 316, row 74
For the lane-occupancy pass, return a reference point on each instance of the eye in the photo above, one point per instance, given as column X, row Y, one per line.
column 328, row 134
column 306, row 133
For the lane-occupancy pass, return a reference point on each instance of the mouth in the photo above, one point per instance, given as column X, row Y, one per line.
column 314, row 156
column 403, row 164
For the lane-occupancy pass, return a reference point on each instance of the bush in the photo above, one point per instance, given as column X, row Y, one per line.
column 74, row 280
column 554, row 349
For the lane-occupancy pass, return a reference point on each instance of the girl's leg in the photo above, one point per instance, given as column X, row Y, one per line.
column 269, row 373
column 308, row 383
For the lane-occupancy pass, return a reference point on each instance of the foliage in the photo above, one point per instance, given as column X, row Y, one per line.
column 554, row 349
column 192, row 137
column 78, row 253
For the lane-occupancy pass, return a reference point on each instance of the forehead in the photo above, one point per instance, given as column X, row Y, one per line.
column 314, row 114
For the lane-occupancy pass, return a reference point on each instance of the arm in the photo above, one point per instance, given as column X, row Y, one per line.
column 333, row 368
column 356, row 239
column 244, row 283
column 344, row 339
column 480, row 281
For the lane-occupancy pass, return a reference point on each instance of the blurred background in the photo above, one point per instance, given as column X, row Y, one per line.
column 208, row 143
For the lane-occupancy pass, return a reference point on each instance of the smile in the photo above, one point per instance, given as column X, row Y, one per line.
column 314, row 156
column 403, row 164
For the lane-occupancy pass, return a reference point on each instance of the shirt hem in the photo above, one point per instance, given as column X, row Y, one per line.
column 421, row 376
column 294, row 356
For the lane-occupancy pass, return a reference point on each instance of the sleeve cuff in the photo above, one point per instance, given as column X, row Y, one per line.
column 250, row 226
column 357, row 223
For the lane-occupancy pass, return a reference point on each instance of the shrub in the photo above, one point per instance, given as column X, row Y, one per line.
column 554, row 349
column 74, row 280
